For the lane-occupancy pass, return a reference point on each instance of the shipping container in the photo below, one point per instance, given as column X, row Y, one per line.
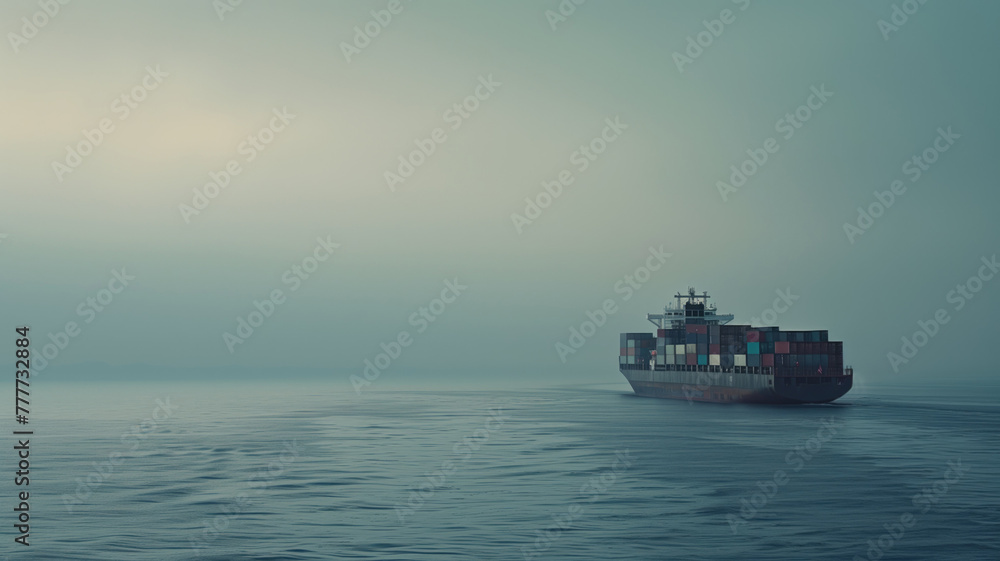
column 714, row 348
column 753, row 336
column 702, row 348
column 692, row 349
column 740, row 360
column 692, row 358
column 753, row 349
column 714, row 360
column 753, row 360
column 767, row 360
column 781, row 347
column 703, row 360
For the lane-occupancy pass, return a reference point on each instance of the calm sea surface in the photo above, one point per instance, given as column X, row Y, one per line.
column 265, row 473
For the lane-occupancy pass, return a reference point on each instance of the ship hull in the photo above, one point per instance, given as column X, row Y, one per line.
column 736, row 388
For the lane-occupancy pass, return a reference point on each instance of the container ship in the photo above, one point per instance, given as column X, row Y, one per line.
column 696, row 355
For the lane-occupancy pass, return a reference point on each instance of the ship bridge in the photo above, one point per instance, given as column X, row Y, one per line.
column 689, row 308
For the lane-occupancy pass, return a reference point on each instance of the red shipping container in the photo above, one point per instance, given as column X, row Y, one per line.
column 692, row 359
column 713, row 349
column 767, row 360
column 631, row 351
column 624, row 351
column 753, row 336
column 782, row 347
column 661, row 332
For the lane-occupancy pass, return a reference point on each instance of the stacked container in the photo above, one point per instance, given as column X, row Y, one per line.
column 783, row 353
column 807, row 354
column 636, row 350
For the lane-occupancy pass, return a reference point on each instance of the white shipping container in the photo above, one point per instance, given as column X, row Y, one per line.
column 714, row 360
column 740, row 360
column 692, row 349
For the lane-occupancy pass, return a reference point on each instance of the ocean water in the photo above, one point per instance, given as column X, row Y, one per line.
column 582, row 473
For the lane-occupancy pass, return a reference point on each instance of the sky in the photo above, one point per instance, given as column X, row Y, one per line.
column 617, row 99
